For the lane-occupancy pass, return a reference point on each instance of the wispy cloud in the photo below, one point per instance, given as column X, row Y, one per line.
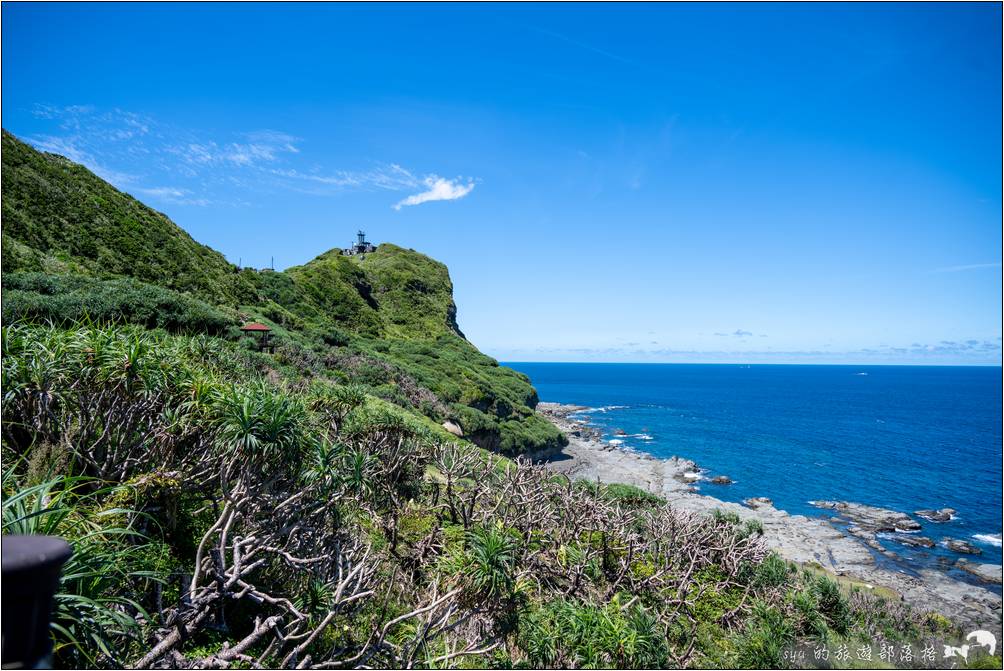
column 738, row 333
column 77, row 150
column 972, row 351
column 390, row 177
column 174, row 195
column 256, row 149
column 583, row 45
column 107, row 125
column 438, row 188
column 139, row 153
column 971, row 266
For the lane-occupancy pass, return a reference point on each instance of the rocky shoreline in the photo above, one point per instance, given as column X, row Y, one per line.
column 850, row 551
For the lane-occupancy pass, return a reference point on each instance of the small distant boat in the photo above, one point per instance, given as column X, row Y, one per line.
column 861, row 373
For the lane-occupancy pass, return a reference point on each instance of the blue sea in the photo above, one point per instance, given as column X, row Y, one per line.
column 898, row 437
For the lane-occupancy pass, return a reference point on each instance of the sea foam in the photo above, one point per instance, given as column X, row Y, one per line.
column 602, row 408
column 992, row 539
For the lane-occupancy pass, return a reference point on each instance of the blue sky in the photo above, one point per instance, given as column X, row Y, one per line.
column 776, row 183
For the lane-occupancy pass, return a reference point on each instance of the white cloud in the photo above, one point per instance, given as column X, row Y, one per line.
column 971, row 266
column 194, row 162
column 75, row 149
column 196, row 153
column 163, row 192
column 263, row 147
column 172, row 194
column 390, row 177
column 738, row 333
column 439, row 188
column 64, row 146
column 275, row 138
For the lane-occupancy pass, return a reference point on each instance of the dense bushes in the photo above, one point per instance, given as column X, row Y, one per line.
column 492, row 403
column 567, row 634
column 62, row 299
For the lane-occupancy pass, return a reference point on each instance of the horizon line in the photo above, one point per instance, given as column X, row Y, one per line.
column 761, row 363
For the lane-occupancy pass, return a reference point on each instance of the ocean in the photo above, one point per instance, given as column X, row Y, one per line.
column 899, row 437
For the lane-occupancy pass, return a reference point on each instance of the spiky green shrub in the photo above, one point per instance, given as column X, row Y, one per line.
column 766, row 635
column 564, row 633
column 629, row 495
column 773, row 572
column 96, row 612
column 832, row 604
column 486, row 565
column 264, row 425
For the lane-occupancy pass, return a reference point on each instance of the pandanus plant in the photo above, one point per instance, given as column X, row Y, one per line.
column 263, row 427
column 95, row 620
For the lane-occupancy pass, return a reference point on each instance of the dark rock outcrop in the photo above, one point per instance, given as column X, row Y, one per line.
column 913, row 540
column 942, row 515
column 963, row 547
column 870, row 518
column 986, row 572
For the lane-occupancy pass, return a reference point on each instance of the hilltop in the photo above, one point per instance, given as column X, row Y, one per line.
column 76, row 247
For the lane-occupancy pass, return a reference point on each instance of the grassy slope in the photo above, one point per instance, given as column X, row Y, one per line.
column 394, row 292
column 60, row 217
column 392, row 309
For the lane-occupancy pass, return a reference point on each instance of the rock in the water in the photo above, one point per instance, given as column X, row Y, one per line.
column 985, row 572
column 757, row 502
column 721, row 480
column 943, row 515
column 620, row 432
column 453, row 428
column 913, row 541
column 955, row 545
column 871, row 518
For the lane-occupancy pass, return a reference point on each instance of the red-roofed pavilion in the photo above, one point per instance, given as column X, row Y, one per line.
column 263, row 334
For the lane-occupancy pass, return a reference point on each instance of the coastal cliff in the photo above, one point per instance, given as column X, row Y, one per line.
column 74, row 247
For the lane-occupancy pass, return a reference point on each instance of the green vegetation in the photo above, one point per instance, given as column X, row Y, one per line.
column 60, row 217
column 305, row 509
column 75, row 248
column 61, row 299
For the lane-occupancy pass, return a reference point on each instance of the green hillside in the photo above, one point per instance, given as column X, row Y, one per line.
column 60, row 217
column 393, row 292
column 75, row 247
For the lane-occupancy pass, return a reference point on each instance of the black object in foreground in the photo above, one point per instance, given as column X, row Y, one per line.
column 31, row 566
